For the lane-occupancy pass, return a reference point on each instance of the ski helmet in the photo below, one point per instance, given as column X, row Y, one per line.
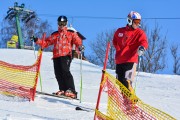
column 133, row 16
column 62, row 20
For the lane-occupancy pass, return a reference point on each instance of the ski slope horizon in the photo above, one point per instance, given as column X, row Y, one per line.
column 157, row 90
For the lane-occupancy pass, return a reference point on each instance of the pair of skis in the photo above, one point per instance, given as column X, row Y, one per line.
column 78, row 108
column 58, row 96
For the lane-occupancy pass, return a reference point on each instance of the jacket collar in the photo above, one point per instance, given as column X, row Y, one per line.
column 129, row 27
column 63, row 29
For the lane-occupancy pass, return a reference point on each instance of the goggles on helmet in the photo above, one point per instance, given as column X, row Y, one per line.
column 62, row 23
column 137, row 21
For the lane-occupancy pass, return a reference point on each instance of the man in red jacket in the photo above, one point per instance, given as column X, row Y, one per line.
column 129, row 42
column 62, row 40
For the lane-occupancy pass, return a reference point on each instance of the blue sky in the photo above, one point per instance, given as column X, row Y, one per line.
column 116, row 9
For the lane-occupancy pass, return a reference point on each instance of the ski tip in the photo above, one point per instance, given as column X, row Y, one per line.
column 83, row 109
column 78, row 108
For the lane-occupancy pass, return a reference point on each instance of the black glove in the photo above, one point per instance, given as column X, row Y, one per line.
column 33, row 38
column 81, row 48
column 141, row 50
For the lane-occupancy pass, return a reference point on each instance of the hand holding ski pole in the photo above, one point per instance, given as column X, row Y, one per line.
column 81, row 48
column 33, row 38
column 141, row 50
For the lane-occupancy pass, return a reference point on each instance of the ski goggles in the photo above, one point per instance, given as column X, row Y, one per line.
column 62, row 23
column 137, row 21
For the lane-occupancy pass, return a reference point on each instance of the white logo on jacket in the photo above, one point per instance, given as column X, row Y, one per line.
column 120, row 35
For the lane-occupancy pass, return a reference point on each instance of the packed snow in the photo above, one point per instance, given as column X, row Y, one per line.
column 157, row 90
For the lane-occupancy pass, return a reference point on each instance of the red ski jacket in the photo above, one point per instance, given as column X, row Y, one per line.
column 126, row 42
column 62, row 40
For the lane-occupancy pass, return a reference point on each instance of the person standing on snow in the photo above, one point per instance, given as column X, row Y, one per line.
column 129, row 42
column 62, row 40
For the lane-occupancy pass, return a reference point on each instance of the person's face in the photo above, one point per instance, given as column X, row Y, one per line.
column 62, row 24
column 136, row 23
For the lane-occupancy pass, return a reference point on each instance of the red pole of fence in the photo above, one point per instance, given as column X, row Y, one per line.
column 100, row 87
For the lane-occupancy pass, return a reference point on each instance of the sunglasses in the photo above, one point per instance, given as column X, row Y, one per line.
column 62, row 23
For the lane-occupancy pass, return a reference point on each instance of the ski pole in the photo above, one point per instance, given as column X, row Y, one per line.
column 39, row 71
column 34, row 50
column 81, row 76
column 139, row 66
column 35, row 55
column 40, row 81
column 43, row 38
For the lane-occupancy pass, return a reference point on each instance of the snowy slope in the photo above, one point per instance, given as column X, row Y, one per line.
column 160, row 91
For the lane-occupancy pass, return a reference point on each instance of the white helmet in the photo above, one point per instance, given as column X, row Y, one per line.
column 131, row 16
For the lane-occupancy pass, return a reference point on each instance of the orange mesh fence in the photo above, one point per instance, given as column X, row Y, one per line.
column 19, row 80
column 124, row 105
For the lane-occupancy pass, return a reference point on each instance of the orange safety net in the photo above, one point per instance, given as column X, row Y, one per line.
column 19, row 80
column 124, row 105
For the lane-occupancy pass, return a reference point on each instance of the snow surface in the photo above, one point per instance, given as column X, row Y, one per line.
column 159, row 91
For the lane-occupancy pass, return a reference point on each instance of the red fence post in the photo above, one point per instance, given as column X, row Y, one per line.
column 100, row 87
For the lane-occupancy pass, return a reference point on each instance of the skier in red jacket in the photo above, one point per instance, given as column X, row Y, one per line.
column 129, row 42
column 62, row 40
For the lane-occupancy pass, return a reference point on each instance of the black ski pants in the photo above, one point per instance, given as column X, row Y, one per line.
column 122, row 71
column 62, row 72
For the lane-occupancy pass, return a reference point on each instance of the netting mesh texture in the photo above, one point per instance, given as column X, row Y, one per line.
column 19, row 80
column 124, row 105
